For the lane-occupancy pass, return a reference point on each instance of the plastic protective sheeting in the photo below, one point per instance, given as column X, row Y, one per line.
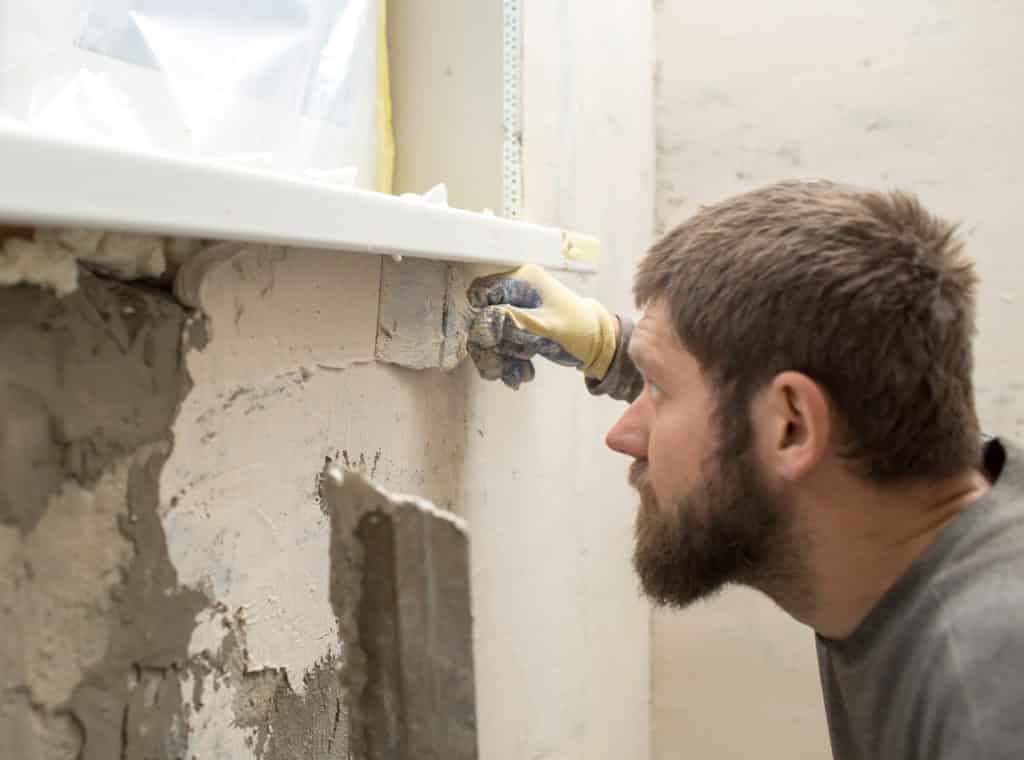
column 294, row 86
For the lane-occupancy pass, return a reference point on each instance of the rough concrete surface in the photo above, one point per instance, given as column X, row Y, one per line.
column 135, row 632
column 85, row 381
column 274, row 721
column 98, row 624
column 423, row 314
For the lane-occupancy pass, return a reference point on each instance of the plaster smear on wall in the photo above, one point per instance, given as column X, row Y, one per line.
column 239, row 492
column 286, row 381
column 237, row 711
column 254, row 540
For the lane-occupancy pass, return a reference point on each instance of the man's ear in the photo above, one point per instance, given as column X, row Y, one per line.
column 795, row 425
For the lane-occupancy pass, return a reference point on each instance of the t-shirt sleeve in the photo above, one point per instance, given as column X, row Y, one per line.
column 972, row 700
column 623, row 380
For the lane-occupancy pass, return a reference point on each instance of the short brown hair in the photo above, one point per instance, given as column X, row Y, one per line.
column 865, row 292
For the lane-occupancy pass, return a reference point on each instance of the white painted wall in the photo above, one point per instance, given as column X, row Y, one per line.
column 562, row 658
column 923, row 95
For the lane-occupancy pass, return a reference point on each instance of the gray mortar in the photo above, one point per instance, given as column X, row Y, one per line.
column 84, row 380
column 132, row 699
column 88, row 381
column 286, row 725
column 310, row 725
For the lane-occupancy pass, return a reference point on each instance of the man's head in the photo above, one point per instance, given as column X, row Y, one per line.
column 801, row 324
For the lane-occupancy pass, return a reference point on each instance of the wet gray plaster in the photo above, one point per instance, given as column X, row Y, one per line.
column 84, row 380
column 310, row 725
column 89, row 387
column 284, row 724
column 132, row 698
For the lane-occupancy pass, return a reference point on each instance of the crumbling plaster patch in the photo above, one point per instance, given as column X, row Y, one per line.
column 235, row 711
column 89, row 387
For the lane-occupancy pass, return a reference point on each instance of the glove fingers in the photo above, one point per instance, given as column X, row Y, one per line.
column 488, row 363
column 493, row 327
column 487, row 328
column 524, row 345
column 493, row 366
column 497, row 289
column 515, row 372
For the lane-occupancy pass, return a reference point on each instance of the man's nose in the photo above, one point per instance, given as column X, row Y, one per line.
column 629, row 435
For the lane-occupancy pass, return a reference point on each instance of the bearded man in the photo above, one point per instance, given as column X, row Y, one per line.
column 802, row 421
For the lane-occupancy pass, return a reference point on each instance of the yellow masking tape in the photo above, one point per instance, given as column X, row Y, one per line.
column 385, row 135
column 583, row 248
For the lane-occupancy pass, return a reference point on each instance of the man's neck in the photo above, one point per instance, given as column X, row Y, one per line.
column 859, row 545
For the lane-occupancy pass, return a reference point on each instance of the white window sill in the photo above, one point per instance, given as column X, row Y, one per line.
column 48, row 180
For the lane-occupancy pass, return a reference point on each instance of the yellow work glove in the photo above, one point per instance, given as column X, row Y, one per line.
column 527, row 312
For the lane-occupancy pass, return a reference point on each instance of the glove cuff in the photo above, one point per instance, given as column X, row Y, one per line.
column 604, row 342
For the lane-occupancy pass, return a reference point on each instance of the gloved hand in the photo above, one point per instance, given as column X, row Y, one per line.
column 527, row 312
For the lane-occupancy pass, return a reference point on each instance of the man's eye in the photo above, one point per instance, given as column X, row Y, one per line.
column 654, row 388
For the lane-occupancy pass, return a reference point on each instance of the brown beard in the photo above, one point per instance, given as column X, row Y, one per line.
column 731, row 528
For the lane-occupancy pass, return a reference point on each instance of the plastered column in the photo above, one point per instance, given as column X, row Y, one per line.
column 286, row 384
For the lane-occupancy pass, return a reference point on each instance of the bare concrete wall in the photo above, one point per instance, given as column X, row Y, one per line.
column 921, row 95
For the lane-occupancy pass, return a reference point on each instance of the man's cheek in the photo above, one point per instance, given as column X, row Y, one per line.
column 662, row 475
column 660, row 492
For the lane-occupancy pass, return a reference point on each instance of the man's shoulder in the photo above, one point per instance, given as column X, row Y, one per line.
column 975, row 590
column 932, row 672
column 964, row 696
column 967, row 640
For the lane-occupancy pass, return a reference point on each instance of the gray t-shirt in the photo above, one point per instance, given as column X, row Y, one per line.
column 936, row 669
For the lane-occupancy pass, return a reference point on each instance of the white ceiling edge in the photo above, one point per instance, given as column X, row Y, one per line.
column 50, row 180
